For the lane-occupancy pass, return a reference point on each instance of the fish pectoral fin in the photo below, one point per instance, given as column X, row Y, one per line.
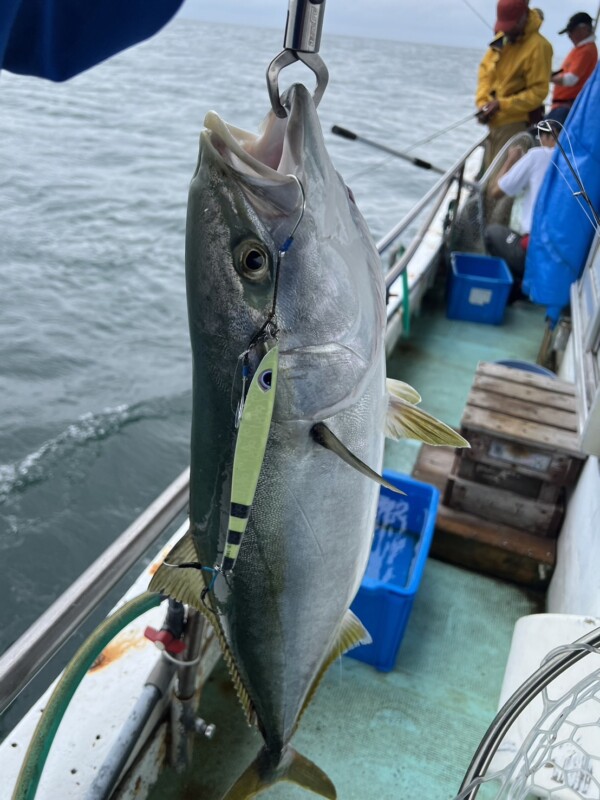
column 351, row 634
column 323, row 436
column 402, row 390
column 292, row 767
column 187, row 586
column 405, row 421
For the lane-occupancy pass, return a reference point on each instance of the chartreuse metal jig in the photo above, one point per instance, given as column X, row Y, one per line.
column 251, row 442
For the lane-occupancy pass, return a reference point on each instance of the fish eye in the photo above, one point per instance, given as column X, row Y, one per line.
column 265, row 379
column 252, row 261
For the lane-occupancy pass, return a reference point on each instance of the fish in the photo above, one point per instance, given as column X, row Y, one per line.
column 280, row 265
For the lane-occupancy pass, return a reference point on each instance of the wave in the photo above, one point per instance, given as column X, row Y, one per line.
column 36, row 466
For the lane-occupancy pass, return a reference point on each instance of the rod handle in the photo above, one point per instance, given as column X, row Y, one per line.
column 344, row 132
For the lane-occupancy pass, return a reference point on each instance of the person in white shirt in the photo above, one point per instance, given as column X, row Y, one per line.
column 520, row 176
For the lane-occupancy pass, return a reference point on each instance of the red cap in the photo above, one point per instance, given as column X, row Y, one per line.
column 509, row 13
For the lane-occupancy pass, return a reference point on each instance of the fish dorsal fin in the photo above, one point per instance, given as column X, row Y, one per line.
column 402, row 390
column 187, row 586
column 405, row 421
column 352, row 634
column 323, row 436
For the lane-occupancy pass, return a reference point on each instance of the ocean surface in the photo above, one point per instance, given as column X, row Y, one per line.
column 95, row 369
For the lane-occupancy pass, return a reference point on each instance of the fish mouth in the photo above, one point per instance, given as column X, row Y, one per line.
column 274, row 155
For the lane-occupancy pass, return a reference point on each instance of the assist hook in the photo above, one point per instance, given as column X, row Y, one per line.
column 301, row 42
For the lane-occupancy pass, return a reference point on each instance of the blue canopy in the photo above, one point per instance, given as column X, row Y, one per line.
column 57, row 39
column 562, row 228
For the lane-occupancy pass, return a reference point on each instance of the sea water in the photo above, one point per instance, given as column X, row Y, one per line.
column 95, row 369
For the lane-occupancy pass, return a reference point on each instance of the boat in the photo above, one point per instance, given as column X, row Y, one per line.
column 138, row 716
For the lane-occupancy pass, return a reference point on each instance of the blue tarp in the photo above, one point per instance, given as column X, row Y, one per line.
column 562, row 228
column 57, row 39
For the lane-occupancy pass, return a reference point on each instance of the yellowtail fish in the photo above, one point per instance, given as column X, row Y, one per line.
column 278, row 257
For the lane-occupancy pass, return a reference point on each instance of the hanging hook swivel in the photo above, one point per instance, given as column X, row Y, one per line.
column 302, row 40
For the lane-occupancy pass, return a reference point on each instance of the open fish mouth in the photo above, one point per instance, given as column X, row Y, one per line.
column 271, row 156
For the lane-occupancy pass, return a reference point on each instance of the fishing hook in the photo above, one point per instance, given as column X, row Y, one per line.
column 301, row 42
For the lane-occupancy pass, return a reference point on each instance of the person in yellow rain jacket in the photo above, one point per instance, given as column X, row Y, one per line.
column 514, row 75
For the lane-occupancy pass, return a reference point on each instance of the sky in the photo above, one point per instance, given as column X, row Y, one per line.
column 452, row 22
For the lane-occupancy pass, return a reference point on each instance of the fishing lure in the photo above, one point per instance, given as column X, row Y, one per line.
column 251, row 442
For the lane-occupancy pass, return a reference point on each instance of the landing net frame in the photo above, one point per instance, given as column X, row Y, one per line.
column 559, row 758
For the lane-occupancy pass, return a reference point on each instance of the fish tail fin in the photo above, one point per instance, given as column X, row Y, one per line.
column 293, row 767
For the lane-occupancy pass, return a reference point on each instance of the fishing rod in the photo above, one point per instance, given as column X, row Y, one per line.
column 418, row 162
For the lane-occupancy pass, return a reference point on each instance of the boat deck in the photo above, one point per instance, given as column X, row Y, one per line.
column 409, row 733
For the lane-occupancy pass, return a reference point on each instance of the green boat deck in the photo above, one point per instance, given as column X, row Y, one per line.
column 409, row 733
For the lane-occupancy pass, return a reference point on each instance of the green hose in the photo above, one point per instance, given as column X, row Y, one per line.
column 43, row 736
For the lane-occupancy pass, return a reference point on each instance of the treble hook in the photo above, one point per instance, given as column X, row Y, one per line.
column 301, row 42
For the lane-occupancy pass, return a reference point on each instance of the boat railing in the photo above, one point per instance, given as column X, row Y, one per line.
column 437, row 193
column 26, row 657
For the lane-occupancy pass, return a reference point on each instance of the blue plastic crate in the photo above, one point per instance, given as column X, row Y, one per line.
column 403, row 532
column 478, row 288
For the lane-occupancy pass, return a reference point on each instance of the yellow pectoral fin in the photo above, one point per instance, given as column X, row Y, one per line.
column 402, row 390
column 406, row 421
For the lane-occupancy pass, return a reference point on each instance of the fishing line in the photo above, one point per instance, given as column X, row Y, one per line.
column 575, row 165
column 216, row 571
column 546, row 127
column 369, row 169
column 577, row 197
column 474, row 10
column 281, row 253
column 442, row 132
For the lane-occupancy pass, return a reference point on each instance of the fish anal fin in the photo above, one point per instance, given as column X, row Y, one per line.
column 326, row 438
column 292, row 767
column 405, row 421
column 187, row 585
column 352, row 634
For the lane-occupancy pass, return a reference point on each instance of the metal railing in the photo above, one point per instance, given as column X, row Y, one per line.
column 439, row 189
column 24, row 659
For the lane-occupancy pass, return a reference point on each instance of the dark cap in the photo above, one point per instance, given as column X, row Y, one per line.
column 581, row 18
column 509, row 13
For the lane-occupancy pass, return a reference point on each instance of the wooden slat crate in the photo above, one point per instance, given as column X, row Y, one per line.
column 524, row 452
column 486, row 546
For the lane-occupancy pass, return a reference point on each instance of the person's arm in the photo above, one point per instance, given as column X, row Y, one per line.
column 513, row 155
column 577, row 67
column 537, row 77
column 485, row 79
column 57, row 39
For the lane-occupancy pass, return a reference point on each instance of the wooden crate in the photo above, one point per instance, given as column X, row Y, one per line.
column 470, row 541
column 524, row 452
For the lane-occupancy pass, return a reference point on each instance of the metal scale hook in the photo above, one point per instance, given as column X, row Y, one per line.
column 301, row 42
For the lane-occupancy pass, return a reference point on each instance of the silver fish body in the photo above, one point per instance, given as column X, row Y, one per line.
column 306, row 546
